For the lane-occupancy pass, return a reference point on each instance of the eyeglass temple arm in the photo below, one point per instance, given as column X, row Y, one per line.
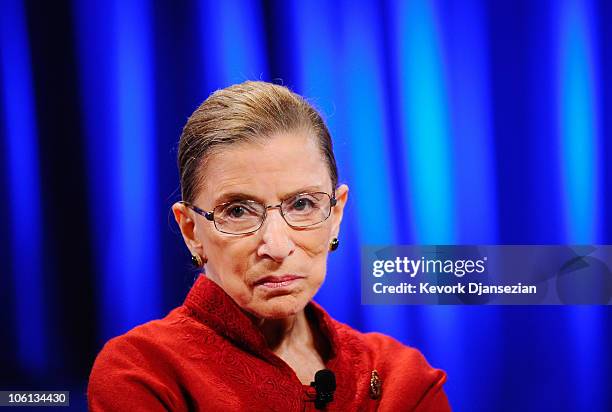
column 208, row 215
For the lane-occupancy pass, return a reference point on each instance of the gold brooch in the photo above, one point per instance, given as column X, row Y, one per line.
column 375, row 385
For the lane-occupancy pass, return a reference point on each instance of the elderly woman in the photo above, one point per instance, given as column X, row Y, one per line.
column 261, row 210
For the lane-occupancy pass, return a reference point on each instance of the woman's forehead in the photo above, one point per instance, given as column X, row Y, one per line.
column 268, row 171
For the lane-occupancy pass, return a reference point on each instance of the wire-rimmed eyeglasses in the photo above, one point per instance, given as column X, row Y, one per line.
column 244, row 216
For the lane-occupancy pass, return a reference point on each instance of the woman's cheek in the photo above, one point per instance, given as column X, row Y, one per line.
column 315, row 246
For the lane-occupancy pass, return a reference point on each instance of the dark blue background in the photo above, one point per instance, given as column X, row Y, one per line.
column 454, row 122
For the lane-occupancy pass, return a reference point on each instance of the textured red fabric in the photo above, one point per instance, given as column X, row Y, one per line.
column 207, row 355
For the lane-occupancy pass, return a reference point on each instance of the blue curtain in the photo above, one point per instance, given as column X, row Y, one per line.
column 454, row 122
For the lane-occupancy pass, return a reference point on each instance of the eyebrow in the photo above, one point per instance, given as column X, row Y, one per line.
column 231, row 196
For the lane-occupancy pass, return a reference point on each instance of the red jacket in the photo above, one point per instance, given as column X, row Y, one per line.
column 206, row 355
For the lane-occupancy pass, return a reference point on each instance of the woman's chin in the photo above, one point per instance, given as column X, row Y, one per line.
column 280, row 307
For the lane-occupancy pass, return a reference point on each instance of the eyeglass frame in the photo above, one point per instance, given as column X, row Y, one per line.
column 210, row 215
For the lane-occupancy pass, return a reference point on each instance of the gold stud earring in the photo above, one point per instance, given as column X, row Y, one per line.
column 197, row 261
column 333, row 245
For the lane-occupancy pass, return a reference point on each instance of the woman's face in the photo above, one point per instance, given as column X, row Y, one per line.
column 249, row 267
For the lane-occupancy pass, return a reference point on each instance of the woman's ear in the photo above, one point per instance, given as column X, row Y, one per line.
column 338, row 210
column 185, row 221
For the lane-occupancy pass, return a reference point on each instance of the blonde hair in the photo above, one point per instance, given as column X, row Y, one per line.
column 247, row 112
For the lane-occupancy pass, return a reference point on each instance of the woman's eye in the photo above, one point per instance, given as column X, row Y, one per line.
column 302, row 204
column 236, row 211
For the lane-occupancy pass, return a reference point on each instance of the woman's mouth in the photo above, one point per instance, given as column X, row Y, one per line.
column 275, row 282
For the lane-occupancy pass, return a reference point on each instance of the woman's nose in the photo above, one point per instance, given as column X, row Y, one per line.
column 276, row 242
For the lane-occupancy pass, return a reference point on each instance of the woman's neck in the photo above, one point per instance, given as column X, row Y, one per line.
column 299, row 343
column 282, row 334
